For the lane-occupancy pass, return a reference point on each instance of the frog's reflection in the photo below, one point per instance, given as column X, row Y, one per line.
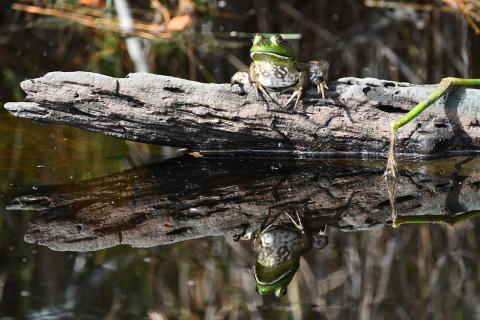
column 279, row 248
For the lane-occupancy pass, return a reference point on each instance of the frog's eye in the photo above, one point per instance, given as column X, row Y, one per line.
column 262, row 292
column 257, row 37
column 281, row 292
column 278, row 38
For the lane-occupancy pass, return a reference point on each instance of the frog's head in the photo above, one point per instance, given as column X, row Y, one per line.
column 274, row 48
column 276, row 278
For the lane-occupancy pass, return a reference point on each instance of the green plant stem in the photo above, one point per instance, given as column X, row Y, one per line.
column 445, row 220
column 445, row 86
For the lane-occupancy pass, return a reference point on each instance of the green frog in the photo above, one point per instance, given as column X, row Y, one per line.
column 279, row 249
column 275, row 66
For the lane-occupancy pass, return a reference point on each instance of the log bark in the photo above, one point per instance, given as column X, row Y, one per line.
column 354, row 118
column 186, row 198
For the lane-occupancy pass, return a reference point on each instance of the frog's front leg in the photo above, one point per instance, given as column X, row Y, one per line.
column 301, row 69
column 254, row 82
column 320, row 239
column 307, row 237
column 249, row 77
column 317, row 74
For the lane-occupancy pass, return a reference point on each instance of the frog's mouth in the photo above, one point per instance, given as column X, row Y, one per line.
column 276, row 55
column 281, row 277
column 273, row 274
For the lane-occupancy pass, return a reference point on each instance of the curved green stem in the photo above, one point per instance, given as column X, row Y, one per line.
column 445, row 220
column 445, row 86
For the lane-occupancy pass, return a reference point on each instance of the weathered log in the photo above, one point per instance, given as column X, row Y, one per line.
column 355, row 117
column 186, row 198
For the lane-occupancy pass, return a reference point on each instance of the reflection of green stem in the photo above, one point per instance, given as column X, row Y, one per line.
column 445, row 86
column 445, row 220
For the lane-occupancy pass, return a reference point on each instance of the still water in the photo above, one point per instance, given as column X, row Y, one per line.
column 98, row 227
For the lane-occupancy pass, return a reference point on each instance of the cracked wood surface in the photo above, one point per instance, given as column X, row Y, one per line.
column 355, row 116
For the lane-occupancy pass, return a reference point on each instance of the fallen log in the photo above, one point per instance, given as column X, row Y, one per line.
column 354, row 118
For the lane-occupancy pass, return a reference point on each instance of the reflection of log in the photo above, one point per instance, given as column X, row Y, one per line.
column 162, row 110
column 186, row 198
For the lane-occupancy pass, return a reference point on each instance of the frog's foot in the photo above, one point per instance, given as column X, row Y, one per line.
column 264, row 227
column 323, row 232
column 321, row 86
column 259, row 87
column 242, row 78
column 321, row 239
column 244, row 235
column 297, row 94
column 299, row 225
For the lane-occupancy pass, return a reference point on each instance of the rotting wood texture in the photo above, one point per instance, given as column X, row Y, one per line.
column 355, row 116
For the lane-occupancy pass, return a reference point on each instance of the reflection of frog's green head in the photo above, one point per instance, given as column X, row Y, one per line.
column 270, row 279
column 274, row 47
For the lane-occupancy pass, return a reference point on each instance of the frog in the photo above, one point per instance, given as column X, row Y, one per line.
column 279, row 248
column 275, row 66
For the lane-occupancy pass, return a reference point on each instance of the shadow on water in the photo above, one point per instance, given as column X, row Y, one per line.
column 284, row 207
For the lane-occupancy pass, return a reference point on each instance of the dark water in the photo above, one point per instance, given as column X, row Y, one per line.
column 111, row 206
